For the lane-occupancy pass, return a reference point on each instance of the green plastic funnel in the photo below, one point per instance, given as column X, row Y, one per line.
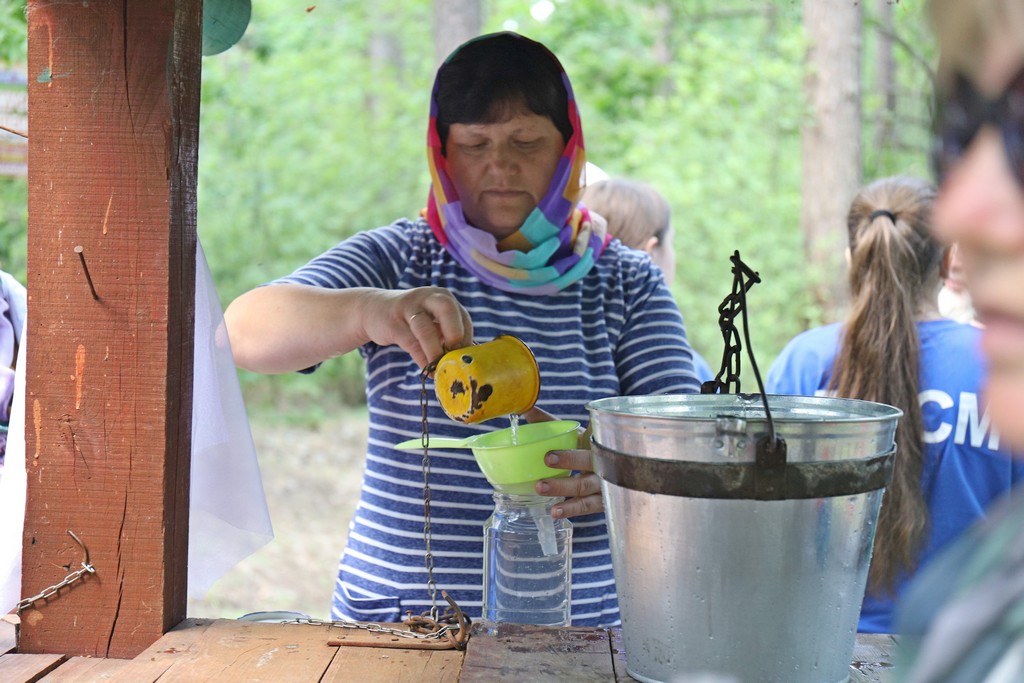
column 513, row 468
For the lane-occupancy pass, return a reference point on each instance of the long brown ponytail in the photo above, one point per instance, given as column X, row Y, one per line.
column 894, row 271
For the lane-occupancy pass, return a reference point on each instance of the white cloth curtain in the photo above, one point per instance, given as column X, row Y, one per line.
column 228, row 515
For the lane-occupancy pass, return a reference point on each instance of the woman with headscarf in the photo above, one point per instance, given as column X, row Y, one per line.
column 503, row 247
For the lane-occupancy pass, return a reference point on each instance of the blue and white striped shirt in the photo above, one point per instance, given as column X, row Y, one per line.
column 615, row 332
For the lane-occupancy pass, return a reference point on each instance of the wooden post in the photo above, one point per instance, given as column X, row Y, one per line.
column 113, row 148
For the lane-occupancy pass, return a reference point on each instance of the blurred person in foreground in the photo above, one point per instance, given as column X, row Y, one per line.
column 963, row 618
column 896, row 348
column 503, row 247
column 641, row 218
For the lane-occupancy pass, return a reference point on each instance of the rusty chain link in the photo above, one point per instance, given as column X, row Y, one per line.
column 450, row 631
column 428, row 631
column 428, row 558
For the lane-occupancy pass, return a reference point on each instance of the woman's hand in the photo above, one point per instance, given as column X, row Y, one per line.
column 286, row 327
column 426, row 321
column 582, row 490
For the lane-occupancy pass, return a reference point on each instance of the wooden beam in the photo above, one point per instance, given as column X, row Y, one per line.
column 113, row 148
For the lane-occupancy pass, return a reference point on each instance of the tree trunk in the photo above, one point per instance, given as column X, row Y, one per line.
column 831, row 142
column 885, row 77
column 455, row 22
column 664, row 48
column 384, row 54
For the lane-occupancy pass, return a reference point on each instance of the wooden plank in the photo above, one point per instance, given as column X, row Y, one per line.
column 537, row 654
column 200, row 649
column 182, row 641
column 27, row 668
column 8, row 637
column 113, row 114
column 383, row 662
column 250, row 651
column 619, row 655
column 378, row 665
column 181, row 644
column 195, row 653
column 176, row 648
column 94, row 670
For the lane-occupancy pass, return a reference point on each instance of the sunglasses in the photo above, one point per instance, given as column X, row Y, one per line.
column 963, row 111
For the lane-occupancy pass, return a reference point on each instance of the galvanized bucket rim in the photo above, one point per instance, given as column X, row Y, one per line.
column 856, row 410
column 770, row 475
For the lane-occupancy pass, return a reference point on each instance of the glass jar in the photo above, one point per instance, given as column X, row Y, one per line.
column 527, row 562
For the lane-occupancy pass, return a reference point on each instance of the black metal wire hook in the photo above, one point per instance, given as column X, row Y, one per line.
column 735, row 304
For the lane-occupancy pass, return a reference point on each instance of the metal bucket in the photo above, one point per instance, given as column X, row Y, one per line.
column 729, row 565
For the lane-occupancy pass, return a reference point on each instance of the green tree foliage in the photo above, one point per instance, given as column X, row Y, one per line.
column 13, row 191
column 704, row 100
column 716, row 128
column 13, row 226
column 13, row 45
column 313, row 128
column 13, row 218
column 307, row 137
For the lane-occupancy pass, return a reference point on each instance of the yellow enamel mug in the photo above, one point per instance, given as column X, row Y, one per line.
column 496, row 378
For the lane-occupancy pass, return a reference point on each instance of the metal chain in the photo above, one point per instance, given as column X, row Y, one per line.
column 732, row 306
column 87, row 568
column 52, row 590
column 428, row 558
column 440, row 634
column 450, row 631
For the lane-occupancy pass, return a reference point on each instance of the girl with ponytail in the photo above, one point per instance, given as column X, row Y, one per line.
column 895, row 348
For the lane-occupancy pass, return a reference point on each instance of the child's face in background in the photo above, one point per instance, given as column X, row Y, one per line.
column 981, row 208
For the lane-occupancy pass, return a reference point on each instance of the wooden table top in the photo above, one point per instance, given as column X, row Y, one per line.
column 229, row 650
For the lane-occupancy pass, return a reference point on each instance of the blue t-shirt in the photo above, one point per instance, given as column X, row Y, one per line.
column 701, row 367
column 615, row 332
column 965, row 469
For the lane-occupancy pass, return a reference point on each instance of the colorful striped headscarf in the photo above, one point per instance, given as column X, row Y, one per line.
column 557, row 244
